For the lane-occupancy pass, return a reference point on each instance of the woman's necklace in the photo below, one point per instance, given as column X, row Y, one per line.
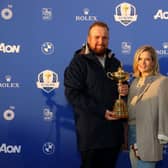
column 140, row 82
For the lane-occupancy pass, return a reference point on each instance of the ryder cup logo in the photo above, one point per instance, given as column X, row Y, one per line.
column 125, row 13
column 47, row 81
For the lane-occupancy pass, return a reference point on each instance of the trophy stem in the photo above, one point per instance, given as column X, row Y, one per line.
column 119, row 97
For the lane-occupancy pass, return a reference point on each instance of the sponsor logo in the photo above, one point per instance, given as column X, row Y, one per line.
column 48, row 148
column 86, row 16
column 6, row 48
column 165, row 45
column 47, row 48
column 8, row 83
column 125, row 47
column 48, row 115
column 125, row 13
column 46, row 14
column 47, row 81
column 9, row 113
column 163, row 15
column 4, row 148
column 163, row 50
column 7, row 13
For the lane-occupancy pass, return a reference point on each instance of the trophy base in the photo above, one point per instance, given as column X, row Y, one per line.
column 120, row 109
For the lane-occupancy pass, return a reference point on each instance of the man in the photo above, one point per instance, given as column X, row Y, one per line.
column 92, row 95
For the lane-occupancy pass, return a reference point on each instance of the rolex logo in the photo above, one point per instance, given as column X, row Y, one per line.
column 8, row 78
column 86, row 11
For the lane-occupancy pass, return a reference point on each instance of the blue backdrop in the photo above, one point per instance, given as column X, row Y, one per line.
column 37, row 41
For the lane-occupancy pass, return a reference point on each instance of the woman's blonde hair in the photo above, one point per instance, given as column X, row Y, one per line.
column 139, row 51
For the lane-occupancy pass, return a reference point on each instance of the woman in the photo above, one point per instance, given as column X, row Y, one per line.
column 148, row 110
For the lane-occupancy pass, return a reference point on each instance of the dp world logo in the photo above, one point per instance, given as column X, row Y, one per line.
column 125, row 13
column 47, row 48
column 47, row 81
column 48, row 148
column 9, row 114
column 7, row 13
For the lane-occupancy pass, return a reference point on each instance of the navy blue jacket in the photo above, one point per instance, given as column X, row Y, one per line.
column 91, row 93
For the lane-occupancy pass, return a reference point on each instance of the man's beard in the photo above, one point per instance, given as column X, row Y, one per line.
column 100, row 52
column 97, row 51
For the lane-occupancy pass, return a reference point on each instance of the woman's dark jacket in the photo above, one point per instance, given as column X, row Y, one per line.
column 91, row 93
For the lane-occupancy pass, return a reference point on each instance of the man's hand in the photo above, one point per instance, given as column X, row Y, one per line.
column 110, row 115
column 123, row 89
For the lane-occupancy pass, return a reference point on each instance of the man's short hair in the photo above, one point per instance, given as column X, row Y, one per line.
column 98, row 23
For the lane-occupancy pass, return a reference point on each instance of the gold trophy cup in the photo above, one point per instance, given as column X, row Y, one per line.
column 120, row 107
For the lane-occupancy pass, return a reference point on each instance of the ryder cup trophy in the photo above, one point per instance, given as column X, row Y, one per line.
column 120, row 107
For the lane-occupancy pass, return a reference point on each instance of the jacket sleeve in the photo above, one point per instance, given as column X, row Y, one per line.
column 163, row 112
column 75, row 89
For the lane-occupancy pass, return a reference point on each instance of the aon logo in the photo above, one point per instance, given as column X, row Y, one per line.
column 161, row 14
column 9, row 48
column 4, row 148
